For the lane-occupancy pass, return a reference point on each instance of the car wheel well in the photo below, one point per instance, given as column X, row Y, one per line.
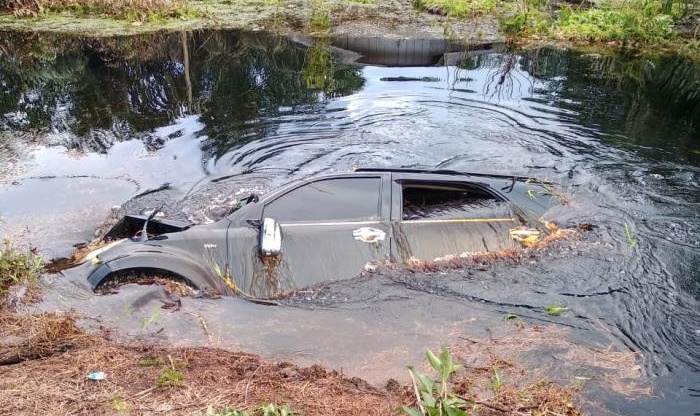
column 141, row 275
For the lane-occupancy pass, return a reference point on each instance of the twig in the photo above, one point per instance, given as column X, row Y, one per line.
column 415, row 390
column 485, row 404
column 245, row 396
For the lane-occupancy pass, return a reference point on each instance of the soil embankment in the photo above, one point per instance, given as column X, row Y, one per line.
column 381, row 18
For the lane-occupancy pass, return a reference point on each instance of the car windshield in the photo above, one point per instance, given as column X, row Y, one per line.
column 241, row 202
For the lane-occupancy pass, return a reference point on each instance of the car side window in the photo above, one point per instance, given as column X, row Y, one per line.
column 429, row 201
column 342, row 199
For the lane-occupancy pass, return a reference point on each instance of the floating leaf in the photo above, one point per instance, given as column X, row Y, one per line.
column 555, row 310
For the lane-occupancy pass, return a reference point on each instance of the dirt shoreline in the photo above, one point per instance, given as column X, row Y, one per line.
column 393, row 19
column 49, row 365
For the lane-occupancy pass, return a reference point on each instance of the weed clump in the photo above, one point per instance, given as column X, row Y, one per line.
column 628, row 23
column 18, row 267
column 268, row 409
column 457, row 8
column 151, row 362
column 171, row 378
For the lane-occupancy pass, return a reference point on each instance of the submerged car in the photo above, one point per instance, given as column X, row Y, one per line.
column 328, row 228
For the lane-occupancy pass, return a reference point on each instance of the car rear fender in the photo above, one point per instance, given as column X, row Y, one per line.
column 183, row 266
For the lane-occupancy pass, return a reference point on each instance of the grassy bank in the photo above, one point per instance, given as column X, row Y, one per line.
column 652, row 25
column 129, row 10
column 91, row 374
column 630, row 24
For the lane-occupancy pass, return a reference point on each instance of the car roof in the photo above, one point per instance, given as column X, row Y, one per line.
column 445, row 172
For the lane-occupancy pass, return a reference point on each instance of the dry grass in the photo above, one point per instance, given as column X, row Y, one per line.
column 545, row 351
column 50, row 358
column 57, row 384
column 26, row 337
column 134, row 10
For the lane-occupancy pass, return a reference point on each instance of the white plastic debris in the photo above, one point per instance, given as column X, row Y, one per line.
column 97, row 376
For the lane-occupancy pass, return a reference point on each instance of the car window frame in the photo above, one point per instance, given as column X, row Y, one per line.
column 397, row 212
column 380, row 201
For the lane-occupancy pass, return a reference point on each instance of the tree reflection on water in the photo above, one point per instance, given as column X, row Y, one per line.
column 110, row 89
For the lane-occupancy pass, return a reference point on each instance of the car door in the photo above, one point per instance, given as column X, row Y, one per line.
column 331, row 228
column 437, row 218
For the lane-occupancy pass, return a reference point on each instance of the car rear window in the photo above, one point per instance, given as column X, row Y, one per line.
column 342, row 199
column 435, row 201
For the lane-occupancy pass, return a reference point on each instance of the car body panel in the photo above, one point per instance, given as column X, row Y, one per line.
column 333, row 226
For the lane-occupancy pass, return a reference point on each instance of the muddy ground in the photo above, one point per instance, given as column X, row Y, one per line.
column 46, row 361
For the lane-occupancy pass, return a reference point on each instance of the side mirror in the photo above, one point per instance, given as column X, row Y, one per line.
column 270, row 238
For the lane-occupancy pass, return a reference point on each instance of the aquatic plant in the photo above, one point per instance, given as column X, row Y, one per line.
column 148, row 320
column 631, row 241
column 435, row 397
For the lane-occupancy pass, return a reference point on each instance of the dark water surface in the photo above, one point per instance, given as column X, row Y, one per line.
column 86, row 124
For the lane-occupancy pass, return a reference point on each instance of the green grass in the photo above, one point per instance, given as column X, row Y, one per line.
column 635, row 22
column 171, row 378
column 641, row 23
column 458, row 8
column 18, row 267
column 154, row 11
column 151, row 362
column 320, row 21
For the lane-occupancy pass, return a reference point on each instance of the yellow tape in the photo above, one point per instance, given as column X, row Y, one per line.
column 458, row 220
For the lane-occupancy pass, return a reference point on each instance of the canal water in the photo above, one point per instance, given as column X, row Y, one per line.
column 88, row 125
